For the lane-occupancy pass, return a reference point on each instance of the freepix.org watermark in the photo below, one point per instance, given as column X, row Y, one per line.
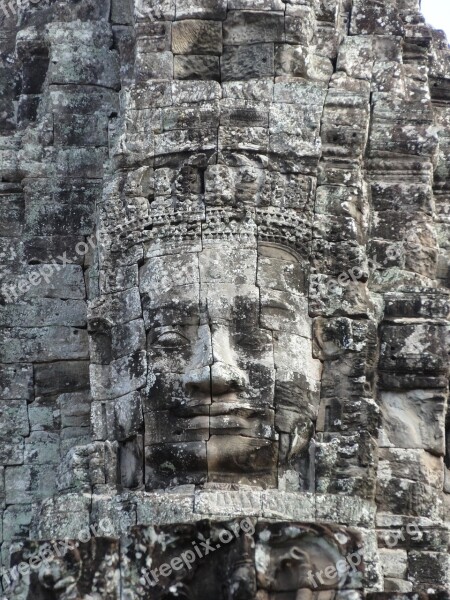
column 10, row 8
column 199, row 550
column 12, row 292
column 351, row 562
column 51, row 551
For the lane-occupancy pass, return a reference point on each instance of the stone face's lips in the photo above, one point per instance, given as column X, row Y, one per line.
column 228, row 422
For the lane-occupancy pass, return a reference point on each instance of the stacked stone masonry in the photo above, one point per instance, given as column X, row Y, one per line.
column 225, row 298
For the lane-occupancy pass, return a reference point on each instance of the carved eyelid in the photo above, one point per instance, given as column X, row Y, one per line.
column 170, row 331
column 276, row 305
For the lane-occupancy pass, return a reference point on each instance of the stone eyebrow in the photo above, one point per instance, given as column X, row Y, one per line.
column 274, row 303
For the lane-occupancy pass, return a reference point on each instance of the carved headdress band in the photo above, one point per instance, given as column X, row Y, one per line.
column 266, row 206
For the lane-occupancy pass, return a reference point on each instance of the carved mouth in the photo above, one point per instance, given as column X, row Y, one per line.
column 224, row 417
column 227, row 421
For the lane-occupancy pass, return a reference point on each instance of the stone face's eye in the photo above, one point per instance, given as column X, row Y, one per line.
column 171, row 339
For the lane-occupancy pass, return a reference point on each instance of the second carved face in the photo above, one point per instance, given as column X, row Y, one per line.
column 233, row 386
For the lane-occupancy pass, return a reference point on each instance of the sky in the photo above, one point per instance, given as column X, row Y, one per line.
column 437, row 13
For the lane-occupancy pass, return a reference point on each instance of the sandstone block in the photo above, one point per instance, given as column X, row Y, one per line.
column 201, row 9
column 197, row 67
column 119, row 378
column 197, row 37
column 253, row 27
column 252, row 61
column 43, row 344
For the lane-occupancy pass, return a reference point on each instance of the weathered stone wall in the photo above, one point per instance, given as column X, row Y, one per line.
column 293, row 155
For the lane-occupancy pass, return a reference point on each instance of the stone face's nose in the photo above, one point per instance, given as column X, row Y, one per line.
column 218, row 379
column 198, row 380
column 227, row 378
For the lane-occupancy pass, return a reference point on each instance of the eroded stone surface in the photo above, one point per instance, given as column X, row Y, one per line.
column 224, row 253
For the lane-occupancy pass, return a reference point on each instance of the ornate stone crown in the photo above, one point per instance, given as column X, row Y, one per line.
column 266, row 206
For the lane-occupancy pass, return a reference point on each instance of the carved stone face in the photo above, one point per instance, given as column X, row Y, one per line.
column 233, row 385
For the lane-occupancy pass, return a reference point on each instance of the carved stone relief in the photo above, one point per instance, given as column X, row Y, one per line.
column 225, row 272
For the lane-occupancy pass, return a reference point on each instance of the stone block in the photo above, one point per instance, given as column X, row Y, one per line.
column 149, row 94
column 16, row 522
column 397, row 585
column 43, row 344
column 214, row 267
column 163, row 427
column 120, row 307
column 14, row 419
column 128, row 416
column 16, row 382
column 27, row 484
column 254, row 139
column 253, row 27
column 374, row 18
column 12, row 451
column 291, row 318
column 299, row 61
column 201, row 9
column 286, row 118
column 413, row 419
column 280, row 275
column 118, row 512
column 394, row 563
column 85, row 100
column 416, row 465
column 75, row 409
column 197, row 37
column 121, row 12
column 197, row 67
column 153, row 37
column 169, row 465
column 300, row 24
column 61, row 377
column 60, row 248
column 405, row 497
column 228, row 503
column 269, row 5
column 42, row 448
column 345, row 510
column 429, row 569
column 63, row 517
column 148, row 10
column 121, row 279
column 44, row 312
column 81, row 130
column 108, row 344
column 187, row 92
column 200, row 116
column 187, row 140
column 84, row 66
column 260, row 90
column 73, row 437
column 153, row 65
column 296, row 507
column 44, row 414
column 119, row 378
column 430, row 305
column 60, row 282
column 160, row 509
column 414, row 347
column 258, row 456
column 12, row 213
column 243, row 113
column 352, row 51
column 62, row 207
column 253, row 61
